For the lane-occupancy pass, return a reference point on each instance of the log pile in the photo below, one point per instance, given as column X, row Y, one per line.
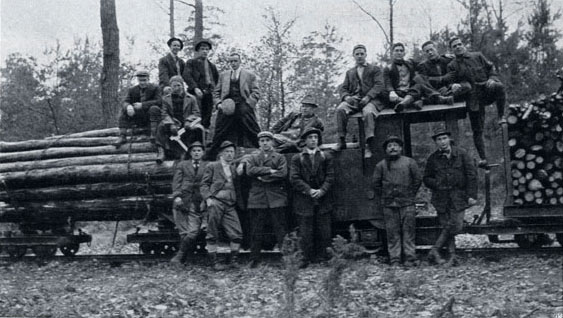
column 82, row 177
column 535, row 140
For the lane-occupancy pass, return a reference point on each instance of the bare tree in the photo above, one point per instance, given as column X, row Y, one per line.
column 171, row 15
column 388, row 34
column 109, row 80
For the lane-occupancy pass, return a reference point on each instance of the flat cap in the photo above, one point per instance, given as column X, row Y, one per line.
column 142, row 73
column 309, row 100
column 439, row 131
column 172, row 39
column 392, row 138
column 226, row 144
column 359, row 46
column 176, row 78
column 202, row 41
column 266, row 134
column 195, row 144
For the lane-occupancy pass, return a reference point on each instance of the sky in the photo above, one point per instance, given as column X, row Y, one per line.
column 30, row 26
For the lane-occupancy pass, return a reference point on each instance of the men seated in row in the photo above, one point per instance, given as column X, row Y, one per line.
column 288, row 130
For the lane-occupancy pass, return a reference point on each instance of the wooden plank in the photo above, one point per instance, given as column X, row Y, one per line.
column 428, row 113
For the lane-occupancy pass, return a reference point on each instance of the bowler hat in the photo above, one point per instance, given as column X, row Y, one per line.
column 312, row 130
column 228, row 106
column 226, row 144
column 309, row 100
column 142, row 73
column 266, row 134
column 195, row 144
column 393, row 138
column 440, row 131
column 202, row 41
column 172, row 39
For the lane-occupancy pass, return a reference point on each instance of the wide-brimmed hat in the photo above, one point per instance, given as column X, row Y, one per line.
column 310, row 101
column 392, row 138
column 142, row 73
column 440, row 131
column 172, row 39
column 312, row 130
column 202, row 41
column 226, row 144
column 266, row 134
column 228, row 106
column 195, row 144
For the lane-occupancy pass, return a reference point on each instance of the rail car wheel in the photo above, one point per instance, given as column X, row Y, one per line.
column 149, row 248
column 70, row 249
column 559, row 237
column 528, row 241
column 16, row 251
column 168, row 249
column 44, row 250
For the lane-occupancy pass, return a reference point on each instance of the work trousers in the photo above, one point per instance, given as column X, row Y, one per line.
column 141, row 119
column 315, row 235
column 241, row 128
column 400, row 228
column 206, row 109
column 451, row 221
column 188, row 220
column 369, row 111
column 258, row 217
column 222, row 216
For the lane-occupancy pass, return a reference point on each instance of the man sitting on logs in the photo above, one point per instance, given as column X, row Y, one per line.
column 479, row 72
column 220, row 191
column 188, row 206
column 362, row 91
column 180, row 119
column 170, row 65
column 141, row 108
column 288, row 129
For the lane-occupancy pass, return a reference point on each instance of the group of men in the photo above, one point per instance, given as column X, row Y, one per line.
column 208, row 192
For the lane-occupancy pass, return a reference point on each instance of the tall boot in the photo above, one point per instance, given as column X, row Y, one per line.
column 233, row 259
column 122, row 137
column 182, row 252
column 434, row 253
column 159, row 154
column 404, row 103
column 214, row 261
column 154, row 126
column 452, row 261
column 370, row 145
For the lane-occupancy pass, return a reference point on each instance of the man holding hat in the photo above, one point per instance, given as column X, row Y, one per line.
column 288, row 129
column 219, row 190
column 179, row 110
column 236, row 97
column 362, row 91
column 312, row 177
column 396, row 181
column 452, row 177
column 188, row 206
column 267, row 198
column 140, row 109
column 170, row 65
column 201, row 76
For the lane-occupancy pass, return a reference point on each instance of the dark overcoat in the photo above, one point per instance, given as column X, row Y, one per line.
column 167, row 69
column 194, row 75
column 392, row 78
column 267, row 190
column 151, row 98
column 214, row 180
column 186, row 182
column 370, row 85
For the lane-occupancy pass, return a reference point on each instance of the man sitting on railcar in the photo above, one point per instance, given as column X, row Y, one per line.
column 141, row 108
column 452, row 177
column 170, row 65
column 312, row 177
column 288, row 129
column 188, row 206
column 180, row 115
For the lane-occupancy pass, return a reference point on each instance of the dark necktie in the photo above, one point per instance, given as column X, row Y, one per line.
column 446, row 153
column 143, row 98
column 196, row 166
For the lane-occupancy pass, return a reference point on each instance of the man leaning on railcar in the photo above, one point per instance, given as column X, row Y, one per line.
column 452, row 177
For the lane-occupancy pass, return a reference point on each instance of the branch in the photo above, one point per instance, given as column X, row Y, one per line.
column 374, row 19
column 184, row 2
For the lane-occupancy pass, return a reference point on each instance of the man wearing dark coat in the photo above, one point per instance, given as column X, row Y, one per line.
column 220, row 190
column 236, row 96
column 188, row 206
column 201, row 77
column 170, row 65
column 267, row 199
column 288, row 129
column 140, row 109
column 396, row 180
column 452, row 177
column 480, row 73
column 179, row 110
column 362, row 91
column 312, row 177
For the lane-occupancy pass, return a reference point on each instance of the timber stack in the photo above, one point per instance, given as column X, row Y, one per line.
column 535, row 140
column 82, row 177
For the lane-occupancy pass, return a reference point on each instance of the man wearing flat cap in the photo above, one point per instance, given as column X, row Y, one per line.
column 236, row 97
column 288, row 129
column 362, row 91
column 170, row 65
column 396, row 182
column 201, row 77
column 220, row 191
column 267, row 199
column 452, row 177
column 140, row 109
column 188, row 206
column 179, row 110
column 312, row 177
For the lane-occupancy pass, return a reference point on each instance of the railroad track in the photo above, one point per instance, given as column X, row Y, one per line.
column 273, row 256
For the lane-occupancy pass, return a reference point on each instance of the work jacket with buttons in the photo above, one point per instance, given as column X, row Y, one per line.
column 397, row 181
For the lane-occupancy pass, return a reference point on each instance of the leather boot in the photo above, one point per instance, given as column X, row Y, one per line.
column 122, row 138
column 152, row 138
column 452, row 261
column 404, row 103
column 435, row 256
column 233, row 259
column 448, row 100
column 214, row 261
column 159, row 155
column 341, row 144
column 179, row 258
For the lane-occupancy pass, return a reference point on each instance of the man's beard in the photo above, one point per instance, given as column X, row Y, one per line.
column 393, row 156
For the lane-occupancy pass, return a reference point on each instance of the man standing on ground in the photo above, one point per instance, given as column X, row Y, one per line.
column 362, row 91
column 312, row 177
column 452, row 177
column 267, row 199
column 188, row 207
column 397, row 179
column 170, row 65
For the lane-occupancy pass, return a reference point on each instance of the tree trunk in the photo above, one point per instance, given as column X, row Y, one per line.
column 109, row 79
column 62, row 142
column 391, row 39
column 171, row 15
column 198, row 27
column 90, row 133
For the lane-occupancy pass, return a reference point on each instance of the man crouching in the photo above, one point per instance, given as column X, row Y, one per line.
column 219, row 191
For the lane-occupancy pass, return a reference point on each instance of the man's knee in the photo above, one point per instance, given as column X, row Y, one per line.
column 342, row 108
column 154, row 113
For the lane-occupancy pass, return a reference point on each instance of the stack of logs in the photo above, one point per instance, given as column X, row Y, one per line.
column 82, row 177
column 535, row 140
